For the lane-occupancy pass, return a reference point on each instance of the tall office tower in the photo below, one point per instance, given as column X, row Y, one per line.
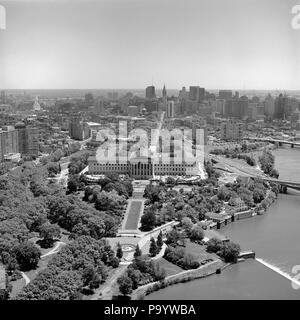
column 243, row 107
column 164, row 99
column 170, row 109
column 220, row 106
column 193, row 93
column 28, row 138
column 9, row 142
column 89, row 99
column 78, row 129
column 225, row 94
column 228, row 111
column 235, row 108
column 232, row 130
column 164, row 92
column 150, row 93
column 99, row 107
column 2, row 97
column 269, row 106
column 196, row 93
column 280, row 106
column 183, row 94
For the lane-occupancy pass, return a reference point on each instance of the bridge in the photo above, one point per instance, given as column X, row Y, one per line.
column 275, row 141
column 228, row 165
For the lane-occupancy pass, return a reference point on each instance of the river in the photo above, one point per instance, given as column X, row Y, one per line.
column 274, row 236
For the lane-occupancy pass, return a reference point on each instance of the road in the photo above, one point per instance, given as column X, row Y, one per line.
column 106, row 290
column 55, row 249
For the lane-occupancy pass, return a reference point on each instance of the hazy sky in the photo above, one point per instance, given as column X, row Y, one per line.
column 126, row 43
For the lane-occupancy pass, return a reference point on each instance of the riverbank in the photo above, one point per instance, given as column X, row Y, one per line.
column 182, row 277
column 272, row 236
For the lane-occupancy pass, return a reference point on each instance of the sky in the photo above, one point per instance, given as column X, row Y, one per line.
column 91, row 44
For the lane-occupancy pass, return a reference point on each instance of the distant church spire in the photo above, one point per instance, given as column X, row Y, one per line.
column 36, row 105
column 164, row 92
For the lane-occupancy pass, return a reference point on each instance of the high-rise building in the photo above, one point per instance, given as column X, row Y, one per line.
column 28, row 139
column 243, row 107
column 2, row 97
column 78, row 130
column 171, row 109
column 89, row 99
column 9, row 142
column 196, row 93
column 280, row 106
column 99, row 107
column 232, row 130
column 150, row 93
column 220, row 106
column 269, row 106
column 225, row 94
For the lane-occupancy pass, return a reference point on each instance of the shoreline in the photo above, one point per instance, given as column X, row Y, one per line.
column 193, row 274
column 182, row 277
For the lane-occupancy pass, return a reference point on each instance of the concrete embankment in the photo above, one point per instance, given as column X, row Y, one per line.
column 185, row 276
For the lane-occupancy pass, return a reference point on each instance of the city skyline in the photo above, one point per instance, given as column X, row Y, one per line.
column 130, row 44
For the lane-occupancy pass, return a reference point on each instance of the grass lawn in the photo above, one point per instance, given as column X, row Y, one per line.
column 169, row 267
column 17, row 286
column 133, row 216
column 199, row 251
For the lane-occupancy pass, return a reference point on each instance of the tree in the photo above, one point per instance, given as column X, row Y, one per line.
column 197, row 233
column 148, row 220
column 171, row 181
column 138, row 252
column 187, row 225
column 48, row 232
column 125, row 285
column 74, row 183
column 258, row 195
column 229, row 252
column 214, row 245
column 119, row 253
column 274, row 174
column 159, row 241
column 135, row 276
column 91, row 278
column 153, row 247
column 27, row 255
column 174, row 238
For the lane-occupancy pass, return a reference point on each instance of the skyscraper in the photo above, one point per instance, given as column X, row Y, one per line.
column 269, row 106
column 150, row 93
column 2, row 97
column 225, row 94
column 28, row 139
column 280, row 106
column 196, row 93
column 78, row 130
column 170, row 109
column 9, row 142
